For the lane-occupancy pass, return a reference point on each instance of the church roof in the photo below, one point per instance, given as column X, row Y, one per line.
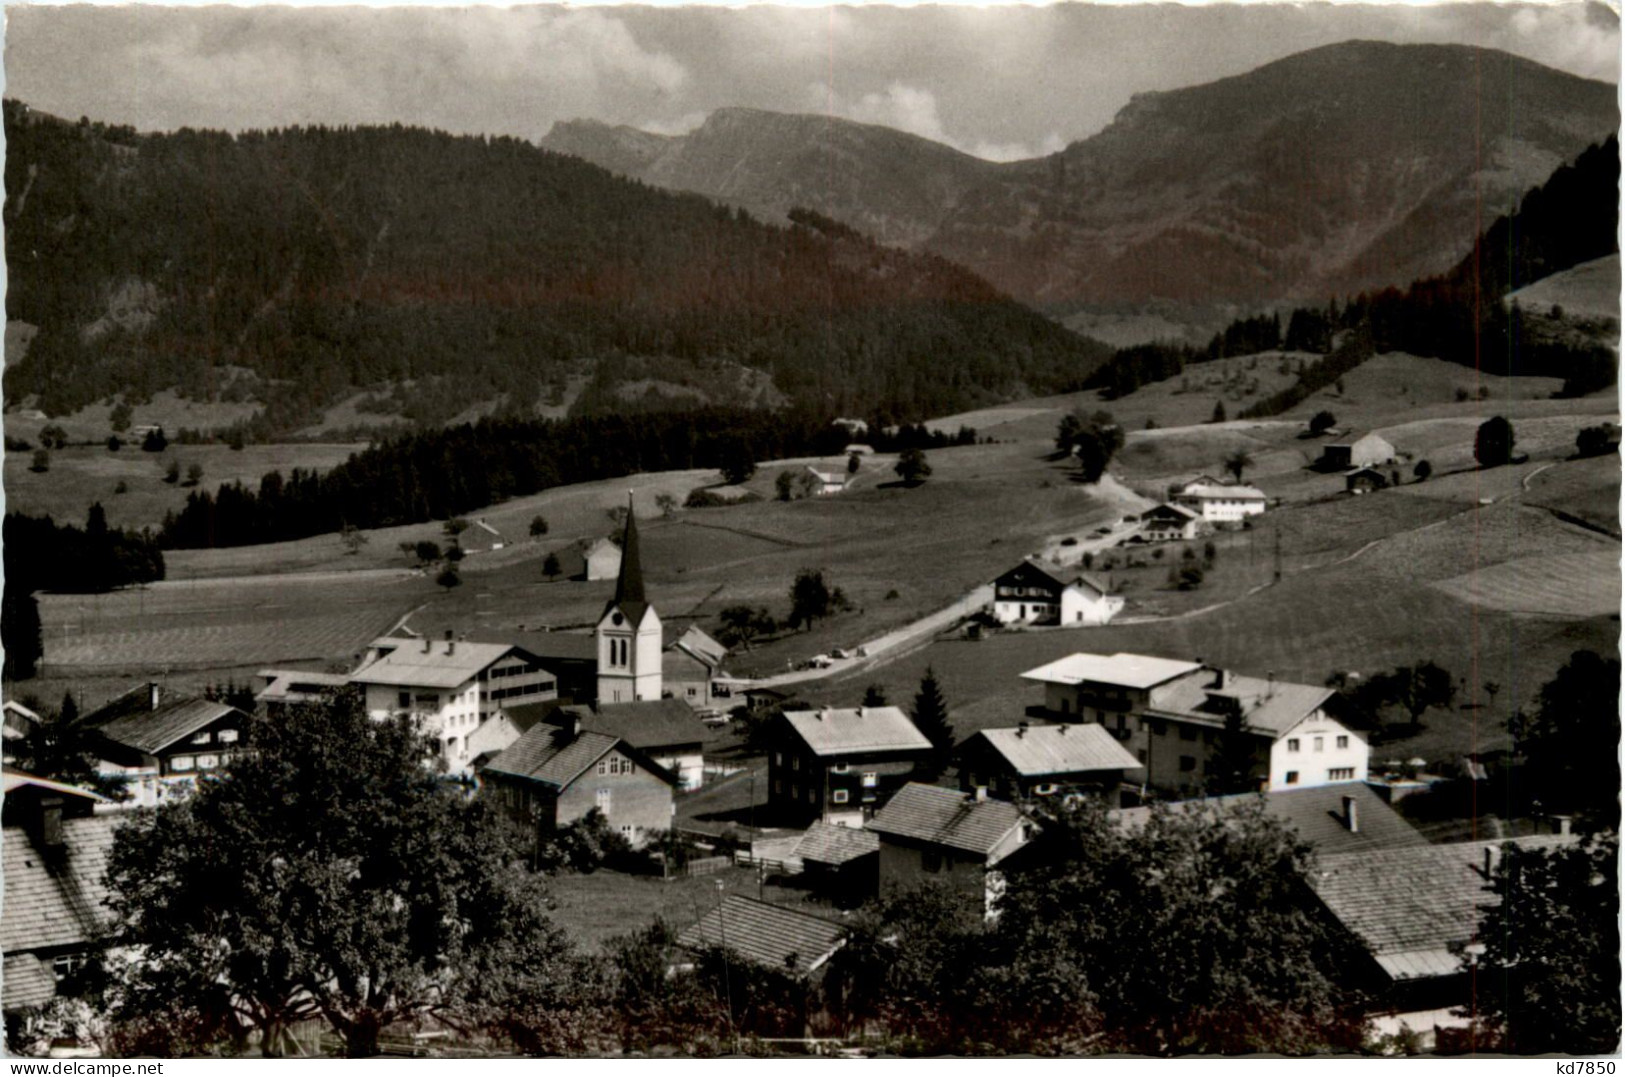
column 629, row 597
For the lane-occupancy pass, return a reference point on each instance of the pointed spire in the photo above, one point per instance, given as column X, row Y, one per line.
column 629, row 584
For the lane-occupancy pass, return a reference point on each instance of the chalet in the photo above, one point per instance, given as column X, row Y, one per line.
column 1174, row 715
column 451, row 686
column 1221, row 504
column 1172, row 523
column 1368, row 451
column 1415, row 914
column 161, row 747
column 1365, row 480
column 928, row 833
column 841, row 862
column 1344, row 818
column 55, row 851
column 1031, row 593
column 286, row 688
column 840, row 765
column 1027, row 761
column 825, row 482
column 667, row 731
column 602, row 561
column 553, row 776
column 690, row 667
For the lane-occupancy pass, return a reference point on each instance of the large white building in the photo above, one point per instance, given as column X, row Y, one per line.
column 1218, row 503
column 450, row 686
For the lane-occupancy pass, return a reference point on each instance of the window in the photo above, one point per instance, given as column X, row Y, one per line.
column 1320, row 744
column 181, row 762
column 229, row 736
column 812, row 795
column 65, row 965
column 1340, row 774
column 1292, row 777
column 207, row 762
column 404, row 700
column 1158, row 728
column 778, row 759
column 839, row 796
column 930, row 862
column 795, row 762
column 603, row 767
column 869, row 780
column 692, row 691
column 1187, row 763
column 1142, row 757
column 626, row 829
column 1292, row 744
column 1342, row 742
column 604, row 798
column 840, row 768
column 201, row 738
column 1187, row 733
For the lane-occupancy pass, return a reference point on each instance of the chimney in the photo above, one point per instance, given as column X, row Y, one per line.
column 1021, row 730
column 1063, row 729
column 862, row 711
column 50, row 822
column 1489, row 860
column 153, row 693
column 451, row 644
column 1561, row 824
column 427, row 643
column 1272, row 682
column 978, row 795
column 1351, row 815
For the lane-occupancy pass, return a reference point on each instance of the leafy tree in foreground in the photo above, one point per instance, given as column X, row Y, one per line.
column 1570, row 740
column 1492, row 446
column 1549, row 976
column 912, row 466
column 738, row 462
column 329, row 874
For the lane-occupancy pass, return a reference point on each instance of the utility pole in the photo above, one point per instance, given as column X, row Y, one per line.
column 1277, row 530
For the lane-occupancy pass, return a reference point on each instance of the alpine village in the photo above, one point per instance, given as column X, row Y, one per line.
column 793, row 586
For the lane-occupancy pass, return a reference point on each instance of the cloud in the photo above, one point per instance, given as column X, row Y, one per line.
column 1017, row 151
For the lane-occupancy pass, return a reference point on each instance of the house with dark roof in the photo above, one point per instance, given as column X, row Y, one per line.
column 1173, row 715
column 1415, row 914
column 1028, row 761
column 1035, row 593
column 1367, row 451
column 666, row 730
column 841, row 862
column 690, row 667
column 1344, row 818
column 160, row 746
column 794, row 944
column 54, row 852
column 840, row 765
column 555, row 775
column 1172, row 523
column 931, row 834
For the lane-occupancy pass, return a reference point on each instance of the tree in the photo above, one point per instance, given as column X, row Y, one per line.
column 1492, row 447
column 740, row 625
column 811, row 598
column 54, row 437
column 1067, row 430
column 667, row 505
column 154, row 441
column 1595, row 440
column 448, row 577
column 874, row 696
column 1422, row 470
column 931, row 717
column 854, row 462
column 42, row 461
column 1218, row 412
column 1417, row 688
column 172, row 473
column 911, row 466
column 784, row 484
column 352, row 538
column 329, row 874
column 454, row 527
column 194, row 474
column 1238, row 752
column 738, row 462
column 20, row 632
column 428, row 551
column 454, row 553
column 1569, row 740
column 538, row 526
column 114, row 443
column 119, row 418
column 808, row 483
column 1549, row 974
column 1321, row 422
column 1238, row 462
column 550, row 566
column 63, row 747
column 651, row 1007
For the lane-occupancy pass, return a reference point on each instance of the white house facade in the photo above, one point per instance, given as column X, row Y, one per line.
column 1318, row 751
column 1222, row 504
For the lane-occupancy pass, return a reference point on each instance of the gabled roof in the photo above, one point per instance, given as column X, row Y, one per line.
column 1127, row 670
column 836, row 845
column 1366, row 470
column 857, row 729
column 297, row 685
column 555, row 646
column 152, row 731
column 1349, row 442
column 938, row 816
column 526, row 716
column 766, row 934
column 1057, row 749
column 1090, row 582
column 701, row 645
column 1414, row 908
column 552, row 755
column 58, row 900
column 832, row 478
column 441, row 666
column 1168, row 508
column 17, row 779
column 1203, row 491
column 1315, row 814
column 27, row 982
column 648, row 724
column 1271, row 707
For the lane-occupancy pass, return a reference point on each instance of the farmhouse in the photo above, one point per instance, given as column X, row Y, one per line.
column 690, row 667
column 601, row 560
column 1172, row 523
column 1031, row 593
column 928, row 833
column 1365, row 480
column 1415, row 913
column 160, row 747
column 555, row 775
column 1027, row 761
column 840, row 765
column 1222, row 504
column 826, row 482
column 55, row 859
column 1368, row 451
column 450, row 687
column 666, row 730
column 1174, row 716
column 841, row 862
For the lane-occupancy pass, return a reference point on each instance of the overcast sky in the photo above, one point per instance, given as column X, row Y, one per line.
column 1001, row 82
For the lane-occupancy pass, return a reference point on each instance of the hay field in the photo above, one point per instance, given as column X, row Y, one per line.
column 1572, row 584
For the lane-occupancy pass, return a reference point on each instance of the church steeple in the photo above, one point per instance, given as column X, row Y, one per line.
column 629, row 633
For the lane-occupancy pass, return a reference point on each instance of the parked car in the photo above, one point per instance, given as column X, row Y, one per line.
column 820, row 661
column 1070, row 540
column 839, row 652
